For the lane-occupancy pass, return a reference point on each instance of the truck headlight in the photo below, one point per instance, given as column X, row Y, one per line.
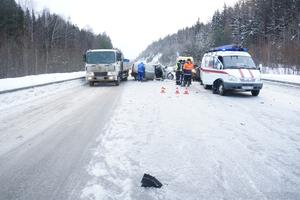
column 111, row 73
column 232, row 78
column 90, row 73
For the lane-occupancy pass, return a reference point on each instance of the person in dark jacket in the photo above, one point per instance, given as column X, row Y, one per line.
column 178, row 72
column 141, row 70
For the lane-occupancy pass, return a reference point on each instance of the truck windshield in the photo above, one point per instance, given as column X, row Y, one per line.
column 236, row 62
column 100, row 57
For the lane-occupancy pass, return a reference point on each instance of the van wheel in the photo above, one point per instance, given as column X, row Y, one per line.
column 91, row 83
column 255, row 92
column 221, row 90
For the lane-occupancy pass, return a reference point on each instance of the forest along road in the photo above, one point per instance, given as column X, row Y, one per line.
column 46, row 141
column 77, row 142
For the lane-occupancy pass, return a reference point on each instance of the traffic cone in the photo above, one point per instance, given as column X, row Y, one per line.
column 162, row 90
column 177, row 91
column 186, row 91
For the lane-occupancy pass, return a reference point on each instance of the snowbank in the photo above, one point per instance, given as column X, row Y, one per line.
column 279, row 70
column 27, row 81
column 282, row 77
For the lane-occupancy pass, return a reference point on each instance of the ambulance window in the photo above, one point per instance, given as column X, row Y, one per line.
column 211, row 62
column 206, row 61
column 203, row 64
column 221, row 59
column 217, row 63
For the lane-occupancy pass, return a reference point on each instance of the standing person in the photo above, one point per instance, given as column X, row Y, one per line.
column 178, row 70
column 187, row 70
column 182, row 73
column 141, row 70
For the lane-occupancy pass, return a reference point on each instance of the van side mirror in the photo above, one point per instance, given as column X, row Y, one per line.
column 84, row 57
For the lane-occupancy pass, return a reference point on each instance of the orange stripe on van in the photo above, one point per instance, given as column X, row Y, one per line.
column 250, row 73
column 241, row 72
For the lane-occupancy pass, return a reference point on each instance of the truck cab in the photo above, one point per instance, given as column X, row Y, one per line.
column 228, row 68
column 105, row 65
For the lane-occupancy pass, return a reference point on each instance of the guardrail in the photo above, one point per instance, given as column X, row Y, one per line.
column 38, row 85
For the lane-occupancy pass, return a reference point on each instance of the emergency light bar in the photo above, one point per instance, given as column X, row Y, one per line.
column 231, row 47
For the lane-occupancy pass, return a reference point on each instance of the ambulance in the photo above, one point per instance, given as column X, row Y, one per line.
column 229, row 68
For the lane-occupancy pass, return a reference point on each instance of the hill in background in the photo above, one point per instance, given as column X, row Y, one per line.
column 270, row 29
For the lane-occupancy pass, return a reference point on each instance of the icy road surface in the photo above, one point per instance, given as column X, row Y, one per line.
column 47, row 135
column 200, row 146
column 71, row 141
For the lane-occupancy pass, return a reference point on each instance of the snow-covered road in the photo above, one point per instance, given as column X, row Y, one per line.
column 46, row 138
column 200, row 146
column 71, row 141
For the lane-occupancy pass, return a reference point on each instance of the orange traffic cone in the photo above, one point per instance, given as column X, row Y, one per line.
column 162, row 90
column 177, row 91
column 186, row 91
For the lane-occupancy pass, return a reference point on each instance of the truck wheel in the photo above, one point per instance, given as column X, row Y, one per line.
column 221, row 90
column 206, row 86
column 91, row 83
column 118, row 81
column 255, row 92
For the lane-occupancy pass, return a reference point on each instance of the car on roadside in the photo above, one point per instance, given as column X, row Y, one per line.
column 229, row 68
column 149, row 71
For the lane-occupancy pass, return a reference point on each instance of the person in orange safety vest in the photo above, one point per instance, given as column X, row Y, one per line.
column 187, row 72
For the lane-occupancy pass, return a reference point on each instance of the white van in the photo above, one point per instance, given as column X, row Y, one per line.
column 228, row 68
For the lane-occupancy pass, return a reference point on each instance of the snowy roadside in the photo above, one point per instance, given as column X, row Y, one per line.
column 200, row 146
column 35, row 103
column 290, row 79
column 31, row 81
column 23, row 99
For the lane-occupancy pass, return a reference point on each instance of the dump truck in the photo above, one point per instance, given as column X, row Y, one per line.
column 105, row 65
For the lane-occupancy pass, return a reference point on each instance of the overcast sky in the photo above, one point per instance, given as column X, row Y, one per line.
column 134, row 24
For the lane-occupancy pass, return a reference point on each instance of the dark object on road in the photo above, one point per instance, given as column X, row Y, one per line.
column 150, row 181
